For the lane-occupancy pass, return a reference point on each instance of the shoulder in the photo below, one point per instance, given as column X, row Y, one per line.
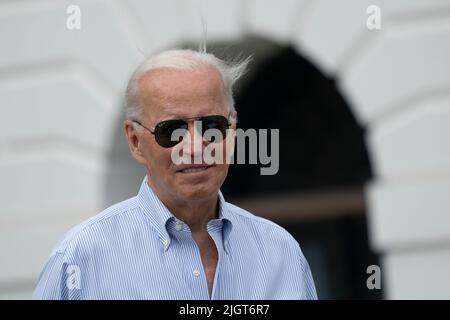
column 86, row 244
column 97, row 227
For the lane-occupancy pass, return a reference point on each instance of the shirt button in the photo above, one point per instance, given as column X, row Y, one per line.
column 196, row 273
column 178, row 227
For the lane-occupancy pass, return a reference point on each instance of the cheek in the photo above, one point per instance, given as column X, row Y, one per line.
column 159, row 159
column 164, row 159
column 229, row 145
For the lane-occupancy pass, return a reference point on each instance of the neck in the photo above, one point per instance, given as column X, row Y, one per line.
column 195, row 213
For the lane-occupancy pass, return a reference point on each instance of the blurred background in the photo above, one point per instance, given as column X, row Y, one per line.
column 364, row 119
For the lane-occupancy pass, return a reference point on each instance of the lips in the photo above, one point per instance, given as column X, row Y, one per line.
column 194, row 169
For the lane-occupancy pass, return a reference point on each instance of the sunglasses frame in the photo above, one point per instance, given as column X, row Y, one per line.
column 186, row 120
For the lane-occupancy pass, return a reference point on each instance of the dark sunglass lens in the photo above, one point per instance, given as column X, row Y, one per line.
column 164, row 131
column 215, row 122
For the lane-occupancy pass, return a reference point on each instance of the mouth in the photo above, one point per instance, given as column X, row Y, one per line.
column 194, row 169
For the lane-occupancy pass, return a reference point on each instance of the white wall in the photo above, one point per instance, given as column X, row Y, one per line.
column 60, row 100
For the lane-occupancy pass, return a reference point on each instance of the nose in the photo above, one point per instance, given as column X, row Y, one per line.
column 197, row 143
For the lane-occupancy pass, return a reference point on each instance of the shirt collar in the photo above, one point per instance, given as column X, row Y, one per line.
column 160, row 215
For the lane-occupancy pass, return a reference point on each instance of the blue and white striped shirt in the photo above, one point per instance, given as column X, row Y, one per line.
column 137, row 249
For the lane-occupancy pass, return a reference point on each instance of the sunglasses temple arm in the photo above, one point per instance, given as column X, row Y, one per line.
column 152, row 132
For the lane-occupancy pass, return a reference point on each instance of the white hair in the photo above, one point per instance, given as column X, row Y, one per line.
column 185, row 59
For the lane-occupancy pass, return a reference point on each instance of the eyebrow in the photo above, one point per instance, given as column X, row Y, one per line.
column 173, row 116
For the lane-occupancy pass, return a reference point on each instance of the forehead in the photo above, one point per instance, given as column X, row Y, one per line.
column 181, row 92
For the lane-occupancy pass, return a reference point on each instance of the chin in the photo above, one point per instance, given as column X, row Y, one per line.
column 198, row 187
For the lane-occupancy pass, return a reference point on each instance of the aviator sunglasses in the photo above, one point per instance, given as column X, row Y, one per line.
column 163, row 130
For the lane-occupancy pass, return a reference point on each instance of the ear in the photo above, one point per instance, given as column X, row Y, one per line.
column 134, row 141
column 233, row 119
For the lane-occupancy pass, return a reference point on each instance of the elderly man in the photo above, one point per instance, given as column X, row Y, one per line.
column 178, row 238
